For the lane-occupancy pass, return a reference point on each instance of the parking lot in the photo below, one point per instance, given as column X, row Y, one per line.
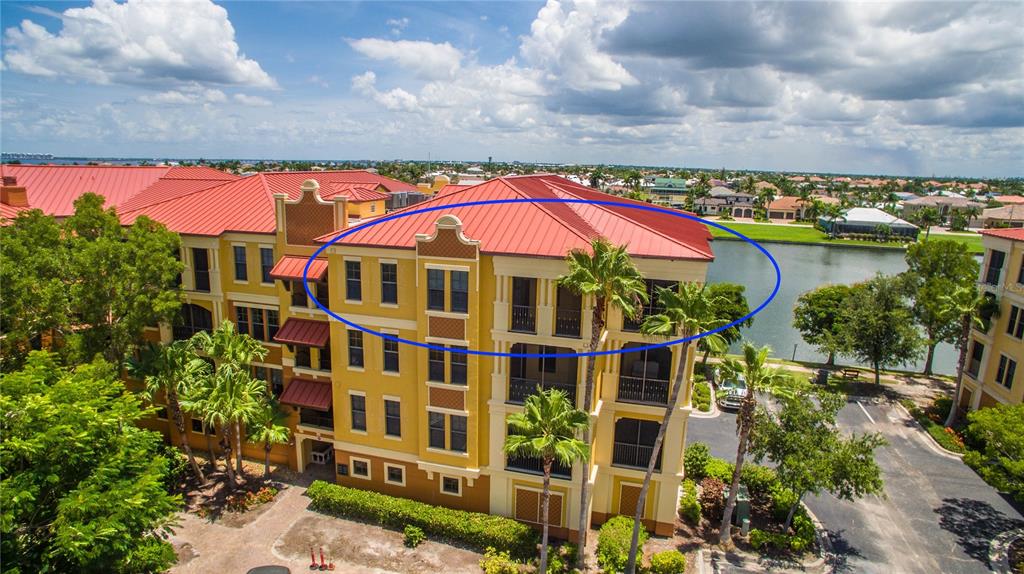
column 937, row 515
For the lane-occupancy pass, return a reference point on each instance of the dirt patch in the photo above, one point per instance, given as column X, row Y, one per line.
column 185, row 553
column 371, row 547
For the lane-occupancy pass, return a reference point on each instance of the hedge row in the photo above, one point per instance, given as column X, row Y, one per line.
column 472, row 528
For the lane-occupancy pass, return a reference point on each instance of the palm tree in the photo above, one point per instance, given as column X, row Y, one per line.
column 686, row 311
column 268, row 427
column 608, row 274
column 833, row 212
column 760, row 378
column 236, row 399
column 963, row 302
column 235, row 351
column 927, row 217
column 547, row 429
column 173, row 369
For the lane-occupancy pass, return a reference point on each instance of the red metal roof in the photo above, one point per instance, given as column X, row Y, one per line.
column 290, row 268
column 308, row 332
column 1016, row 234
column 290, row 181
column 545, row 229
column 354, row 192
column 308, row 394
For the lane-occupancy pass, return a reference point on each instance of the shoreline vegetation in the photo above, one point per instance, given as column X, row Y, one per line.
column 808, row 235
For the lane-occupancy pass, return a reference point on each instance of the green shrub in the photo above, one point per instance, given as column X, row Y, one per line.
column 495, row 562
column 803, row 532
column 154, row 555
column 720, row 469
column 695, row 461
column 782, row 500
column 613, row 543
column 711, row 498
column 689, row 506
column 414, row 536
column 561, row 558
column 472, row 528
column 758, row 479
column 668, row 562
column 702, row 397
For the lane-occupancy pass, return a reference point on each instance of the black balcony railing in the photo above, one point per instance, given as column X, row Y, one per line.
column 641, row 390
column 534, row 465
column 182, row 332
column 319, row 419
column 633, row 455
column 524, row 318
column 519, row 389
column 567, row 322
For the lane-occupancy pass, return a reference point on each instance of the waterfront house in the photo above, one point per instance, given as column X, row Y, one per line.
column 866, row 221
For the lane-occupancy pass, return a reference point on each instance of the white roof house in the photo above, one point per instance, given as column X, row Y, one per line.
column 874, row 216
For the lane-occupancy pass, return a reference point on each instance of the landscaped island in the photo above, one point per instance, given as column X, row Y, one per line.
column 806, row 234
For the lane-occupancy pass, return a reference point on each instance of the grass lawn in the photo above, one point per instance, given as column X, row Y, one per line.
column 809, row 235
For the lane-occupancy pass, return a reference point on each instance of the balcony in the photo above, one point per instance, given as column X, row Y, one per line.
column 643, row 391
column 567, row 322
column 524, row 319
column 534, row 465
column 632, row 455
column 319, row 419
column 519, row 389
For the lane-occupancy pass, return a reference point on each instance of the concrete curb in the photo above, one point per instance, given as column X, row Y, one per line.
column 931, row 442
column 998, row 550
column 714, row 413
column 747, row 560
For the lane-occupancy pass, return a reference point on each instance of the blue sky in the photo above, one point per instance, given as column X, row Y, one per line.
column 907, row 88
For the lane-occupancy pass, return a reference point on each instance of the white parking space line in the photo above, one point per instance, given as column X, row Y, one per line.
column 861, row 405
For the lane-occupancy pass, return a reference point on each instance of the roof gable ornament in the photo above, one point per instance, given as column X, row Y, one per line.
column 307, row 217
column 448, row 240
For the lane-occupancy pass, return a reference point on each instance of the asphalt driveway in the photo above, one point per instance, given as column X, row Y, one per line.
column 937, row 516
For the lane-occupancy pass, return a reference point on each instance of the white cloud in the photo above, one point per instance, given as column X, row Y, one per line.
column 191, row 94
column 247, row 100
column 396, row 100
column 398, row 25
column 427, row 60
column 136, row 42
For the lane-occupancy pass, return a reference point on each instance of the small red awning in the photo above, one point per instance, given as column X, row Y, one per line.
column 290, row 268
column 304, row 332
column 308, row 394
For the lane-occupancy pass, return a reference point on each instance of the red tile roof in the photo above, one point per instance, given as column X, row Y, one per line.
column 786, row 203
column 545, row 229
column 306, row 332
column 289, row 268
column 1009, row 198
column 309, row 394
column 355, row 192
column 1016, row 234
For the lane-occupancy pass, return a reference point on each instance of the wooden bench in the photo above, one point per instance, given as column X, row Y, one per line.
column 851, row 374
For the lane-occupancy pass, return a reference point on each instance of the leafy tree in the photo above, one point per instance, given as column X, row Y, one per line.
column 729, row 303
column 607, row 274
column 810, row 453
column 687, row 310
column 1000, row 461
column 878, row 326
column 760, row 378
column 964, row 303
column 83, row 486
column 547, row 429
column 817, row 316
column 935, row 269
column 34, row 264
column 927, row 217
column 172, row 370
column 268, row 426
column 122, row 279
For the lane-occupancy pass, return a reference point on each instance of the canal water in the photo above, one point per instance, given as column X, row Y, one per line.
column 804, row 267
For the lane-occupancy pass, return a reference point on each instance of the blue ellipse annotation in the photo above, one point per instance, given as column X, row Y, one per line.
column 386, row 218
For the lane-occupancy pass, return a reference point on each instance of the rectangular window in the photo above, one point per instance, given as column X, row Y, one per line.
column 1015, row 326
column 389, row 283
column 435, row 366
column 436, row 434
column 1020, row 274
column 323, row 293
column 201, row 268
column 161, row 413
column 353, row 281
column 457, row 437
column 271, row 324
column 390, row 356
column 302, row 357
column 435, row 289
column 266, row 264
column 299, row 296
column 395, row 475
column 360, row 468
column 974, row 362
column 197, row 427
column 995, row 267
column 549, row 364
column 1007, row 369
column 258, row 331
column 451, row 485
column 458, row 366
column 460, row 291
column 358, row 412
column 324, row 355
column 276, row 382
column 392, row 418
column 355, row 348
column 241, row 267
column 242, row 320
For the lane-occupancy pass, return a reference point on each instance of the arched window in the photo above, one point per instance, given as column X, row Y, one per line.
column 193, row 320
